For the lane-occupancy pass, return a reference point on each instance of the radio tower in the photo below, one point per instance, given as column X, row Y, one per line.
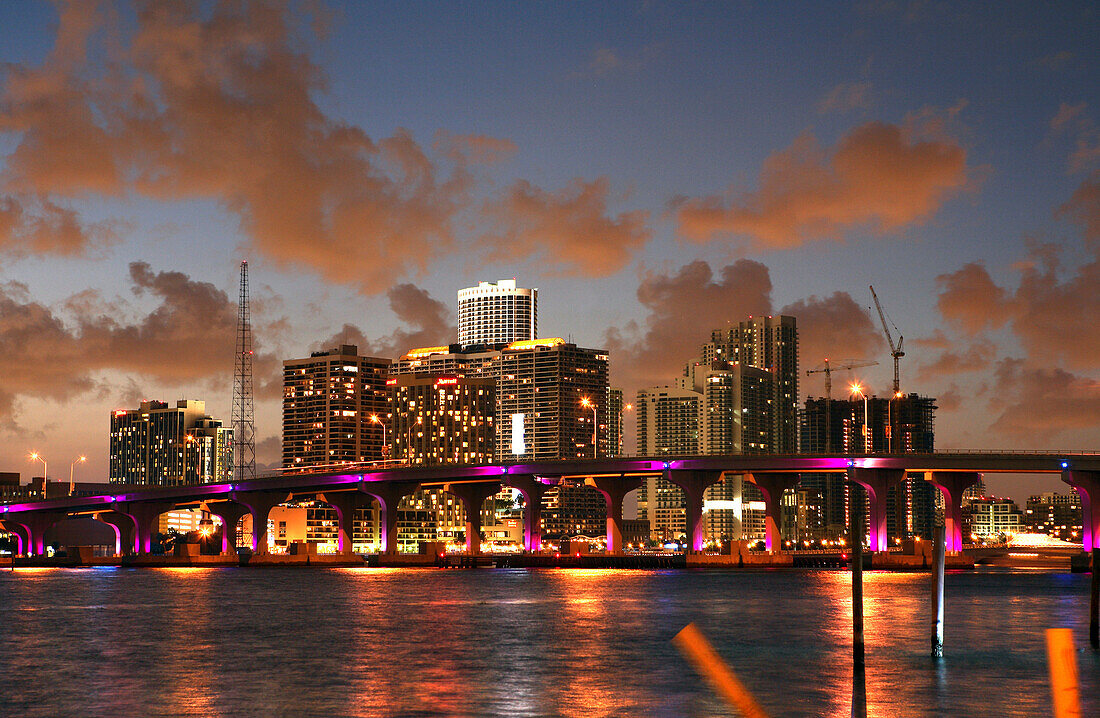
column 244, row 421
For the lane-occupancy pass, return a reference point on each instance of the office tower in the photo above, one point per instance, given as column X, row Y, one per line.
column 442, row 419
column 615, row 409
column 1058, row 515
column 169, row 446
column 328, row 402
column 493, row 314
column 668, row 425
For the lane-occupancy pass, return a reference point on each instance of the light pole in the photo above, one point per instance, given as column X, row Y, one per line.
column 857, row 389
column 375, row 420
column 890, row 422
column 592, row 405
column 35, row 456
column 77, row 460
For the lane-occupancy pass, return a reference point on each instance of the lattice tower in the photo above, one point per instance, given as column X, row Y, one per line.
column 244, row 420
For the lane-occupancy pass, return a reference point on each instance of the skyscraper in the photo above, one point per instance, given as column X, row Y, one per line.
column 493, row 314
column 169, row 445
column 328, row 402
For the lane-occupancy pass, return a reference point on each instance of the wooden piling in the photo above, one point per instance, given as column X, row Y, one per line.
column 857, row 591
column 939, row 550
column 1094, row 603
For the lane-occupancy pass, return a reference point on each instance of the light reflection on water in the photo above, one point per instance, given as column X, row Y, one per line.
column 425, row 642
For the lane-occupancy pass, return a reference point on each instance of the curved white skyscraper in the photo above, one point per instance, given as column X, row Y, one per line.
column 494, row 313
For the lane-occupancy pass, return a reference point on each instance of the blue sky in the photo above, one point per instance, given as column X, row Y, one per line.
column 594, row 136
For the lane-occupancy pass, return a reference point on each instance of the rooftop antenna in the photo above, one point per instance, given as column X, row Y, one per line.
column 244, row 422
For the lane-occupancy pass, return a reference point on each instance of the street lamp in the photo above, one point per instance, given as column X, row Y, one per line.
column 35, row 456
column 857, row 389
column 890, row 422
column 375, row 420
column 77, row 460
column 592, row 405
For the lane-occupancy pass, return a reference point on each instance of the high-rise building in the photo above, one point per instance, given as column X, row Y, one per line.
column 493, row 314
column 1058, row 515
column 991, row 518
column 668, row 424
column 169, row 445
column 329, row 400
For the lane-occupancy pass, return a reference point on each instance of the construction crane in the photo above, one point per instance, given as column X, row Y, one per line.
column 895, row 351
column 827, row 369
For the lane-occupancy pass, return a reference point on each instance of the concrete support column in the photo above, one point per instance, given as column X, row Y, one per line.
column 345, row 503
column 772, row 485
column 694, row 484
column 388, row 494
column 613, row 489
column 20, row 534
column 877, row 483
column 125, row 531
column 1087, row 484
column 952, row 484
column 533, row 491
column 259, row 505
column 146, row 518
column 230, row 512
column 472, row 497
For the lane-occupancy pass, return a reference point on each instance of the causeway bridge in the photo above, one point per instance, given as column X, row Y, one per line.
column 134, row 513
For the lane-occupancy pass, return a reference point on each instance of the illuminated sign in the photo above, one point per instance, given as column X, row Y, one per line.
column 446, row 381
column 518, row 446
column 391, row 382
column 120, row 412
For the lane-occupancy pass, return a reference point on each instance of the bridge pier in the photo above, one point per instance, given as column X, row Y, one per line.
column 124, row 527
column 472, row 497
column 614, row 489
column 1087, row 484
column 694, row 484
column 952, row 484
column 146, row 517
column 259, row 505
column 230, row 512
column 345, row 503
column 533, row 491
column 877, row 483
column 772, row 485
column 388, row 494
column 19, row 533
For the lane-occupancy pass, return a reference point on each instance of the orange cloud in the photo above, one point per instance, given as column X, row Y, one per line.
column 879, row 176
column 429, row 318
column 834, row 327
column 570, row 231
column 1065, row 401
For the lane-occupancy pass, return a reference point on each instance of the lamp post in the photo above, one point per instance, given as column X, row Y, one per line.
column 77, row 460
column 890, row 422
column 35, row 456
column 857, row 389
column 375, row 420
column 592, row 405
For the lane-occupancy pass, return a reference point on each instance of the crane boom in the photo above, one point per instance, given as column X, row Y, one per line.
column 895, row 351
column 827, row 369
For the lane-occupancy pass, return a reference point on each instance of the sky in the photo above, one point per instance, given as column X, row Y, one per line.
column 655, row 169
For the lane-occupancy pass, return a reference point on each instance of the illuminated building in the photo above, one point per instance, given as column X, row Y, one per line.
column 328, row 402
column 991, row 517
column 1058, row 515
column 493, row 314
column 668, row 424
column 169, row 445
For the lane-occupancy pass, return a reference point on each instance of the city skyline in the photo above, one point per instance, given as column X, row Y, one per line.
column 655, row 170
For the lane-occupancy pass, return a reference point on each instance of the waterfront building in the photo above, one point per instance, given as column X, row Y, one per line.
column 167, row 445
column 668, row 421
column 494, row 314
column 328, row 401
column 1057, row 515
column 615, row 409
column 992, row 518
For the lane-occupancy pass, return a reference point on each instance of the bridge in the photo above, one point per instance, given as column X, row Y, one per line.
column 134, row 513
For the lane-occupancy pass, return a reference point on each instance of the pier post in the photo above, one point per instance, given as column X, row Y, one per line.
column 1087, row 484
column 857, row 593
column 614, row 489
column 230, row 512
column 694, row 484
column 939, row 550
column 772, row 485
column 952, row 484
column 877, row 483
column 533, row 491
column 472, row 497
column 388, row 494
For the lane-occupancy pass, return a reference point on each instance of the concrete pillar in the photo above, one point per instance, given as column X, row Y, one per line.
column 613, row 489
column 345, row 503
column 230, row 512
column 693, row 484
column 877, row 483
column 19, row 533
column 533, row 491
column 772, row 485
column 1087, row 484
column 259, row 505
column 472, row 497
column 952, row 484
column 37, row 524
column 125, row 531
column 146, row 518
column 388, row 494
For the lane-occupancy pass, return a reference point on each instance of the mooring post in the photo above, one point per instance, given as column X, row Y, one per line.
column 939, row 550
column 1094, row 604
column 857, row 591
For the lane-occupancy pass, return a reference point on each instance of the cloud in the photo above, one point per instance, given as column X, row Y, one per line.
column 1075, row 121
column 1065, row 401
column 879, row 176
column 1055, row 61
column 429, row 318
column 834, row 327
column 971, row 300
column 975, row 357
column 846, row 97
column 61, row 354
column 570, row 231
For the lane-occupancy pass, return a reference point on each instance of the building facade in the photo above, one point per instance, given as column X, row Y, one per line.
column 167, row 445
column 493, row 314
column 1057, row 515
column 992, row 518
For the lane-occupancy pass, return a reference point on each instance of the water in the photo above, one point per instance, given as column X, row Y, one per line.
column 427, row 642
